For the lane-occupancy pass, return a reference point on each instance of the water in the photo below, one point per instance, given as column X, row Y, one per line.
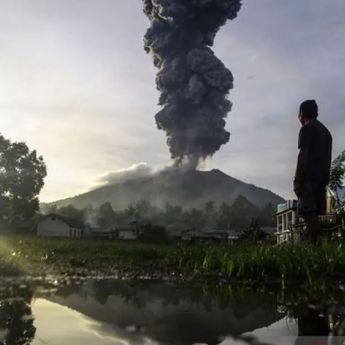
column 110, row 312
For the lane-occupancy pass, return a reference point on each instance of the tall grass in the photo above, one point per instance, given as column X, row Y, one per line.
column 256, row 262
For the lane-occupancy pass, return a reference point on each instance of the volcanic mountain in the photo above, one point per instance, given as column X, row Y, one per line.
column 189, row 189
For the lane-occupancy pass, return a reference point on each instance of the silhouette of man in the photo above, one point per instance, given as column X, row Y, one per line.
column 313, row 168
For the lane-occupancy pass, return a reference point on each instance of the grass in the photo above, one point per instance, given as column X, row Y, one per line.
column 257, row 263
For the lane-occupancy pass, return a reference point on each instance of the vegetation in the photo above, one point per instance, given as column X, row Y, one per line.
column 238, row 216
column 244, row 261
column 337, row 177
column 21, row 179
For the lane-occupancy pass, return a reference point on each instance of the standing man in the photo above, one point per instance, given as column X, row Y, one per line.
column 313, row 168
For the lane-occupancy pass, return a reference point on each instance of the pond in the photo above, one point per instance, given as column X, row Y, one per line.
column 107, row 311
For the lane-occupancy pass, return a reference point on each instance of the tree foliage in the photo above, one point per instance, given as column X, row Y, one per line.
column 253, row 233
column 337, row 176
column 238, row 216
column 153, row 233
column 22, row 175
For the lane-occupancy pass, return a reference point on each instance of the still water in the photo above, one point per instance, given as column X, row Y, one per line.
column 111, row 312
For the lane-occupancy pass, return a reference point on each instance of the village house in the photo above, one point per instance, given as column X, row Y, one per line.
column 58, row 226
column 290, row 225
column 98, row 233
column 207, row 236
column 287, row 217
column 126, row 232
column 129, row 232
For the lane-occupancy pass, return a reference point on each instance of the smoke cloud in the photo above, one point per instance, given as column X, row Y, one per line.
column 131, row 173
column 193, row 82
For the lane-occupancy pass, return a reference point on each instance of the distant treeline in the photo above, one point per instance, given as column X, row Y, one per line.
column 238, row 216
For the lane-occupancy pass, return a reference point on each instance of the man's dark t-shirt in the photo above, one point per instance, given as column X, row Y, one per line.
column 315, row 141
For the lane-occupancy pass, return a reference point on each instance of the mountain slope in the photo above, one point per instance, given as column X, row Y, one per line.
column 190, row 189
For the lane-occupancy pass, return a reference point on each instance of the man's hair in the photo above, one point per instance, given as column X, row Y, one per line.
column 309, row 109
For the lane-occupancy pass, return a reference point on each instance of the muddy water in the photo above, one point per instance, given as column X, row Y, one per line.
column 110, row 312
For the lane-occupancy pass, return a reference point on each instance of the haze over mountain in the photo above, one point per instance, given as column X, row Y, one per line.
column 189, row 189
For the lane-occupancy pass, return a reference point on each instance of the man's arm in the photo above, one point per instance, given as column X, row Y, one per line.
column 302, row 161
column 299, row 180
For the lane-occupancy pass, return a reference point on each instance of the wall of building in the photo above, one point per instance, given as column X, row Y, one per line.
column 127, row 235
column 53, row 227
column 285, row 219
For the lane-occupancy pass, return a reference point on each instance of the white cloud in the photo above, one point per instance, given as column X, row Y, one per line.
column 119, row 176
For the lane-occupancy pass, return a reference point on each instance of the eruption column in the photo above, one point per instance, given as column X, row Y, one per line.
column 193, row 82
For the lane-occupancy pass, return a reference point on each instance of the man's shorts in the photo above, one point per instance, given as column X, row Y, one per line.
column 313, row 201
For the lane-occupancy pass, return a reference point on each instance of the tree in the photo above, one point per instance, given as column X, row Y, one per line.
column 106, row 215
column 243, row 212
column 16, row 317
column 224, row 216
column 210, row 213
column 153, row 233
column 336, row 180
column 172, row 216
column 267, row 215
column 253, row 233
column 22, row 175
column 71, row 212
column 194, row 219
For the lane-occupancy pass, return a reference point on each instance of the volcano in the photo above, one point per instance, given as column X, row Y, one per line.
column 189, row 189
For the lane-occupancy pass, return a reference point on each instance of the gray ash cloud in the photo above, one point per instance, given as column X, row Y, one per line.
column 193, row 82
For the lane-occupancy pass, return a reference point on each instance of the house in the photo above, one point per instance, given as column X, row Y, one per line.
column 99, row 233
column 290, row 225
column 287, row 217
column 126, row 232
column 207, row 236
column 129, row 232
column 54, row 225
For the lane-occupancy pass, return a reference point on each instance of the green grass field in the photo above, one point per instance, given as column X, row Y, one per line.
column 34, row 256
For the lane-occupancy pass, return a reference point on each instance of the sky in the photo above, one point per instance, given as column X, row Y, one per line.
column 77, row 86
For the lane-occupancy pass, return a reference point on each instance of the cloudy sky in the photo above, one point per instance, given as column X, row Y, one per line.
column 76, row 84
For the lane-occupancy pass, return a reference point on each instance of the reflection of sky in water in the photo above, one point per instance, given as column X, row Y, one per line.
column 273, row 334
column 114, row 312
column 168, row 314
column 59, row 325
column 120, row 313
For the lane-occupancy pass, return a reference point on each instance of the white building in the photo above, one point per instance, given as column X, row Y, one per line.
column 54, row 225
column 287, row 217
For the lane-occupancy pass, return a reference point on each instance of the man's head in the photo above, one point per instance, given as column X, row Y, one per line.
column 307, row 111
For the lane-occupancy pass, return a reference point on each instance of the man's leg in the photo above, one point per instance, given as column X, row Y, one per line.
column 313, row 228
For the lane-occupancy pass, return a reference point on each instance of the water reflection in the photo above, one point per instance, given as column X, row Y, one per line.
column 16, row 320
column 168, row 314
column 319, row 324
column 131, row 313
column 319, row 312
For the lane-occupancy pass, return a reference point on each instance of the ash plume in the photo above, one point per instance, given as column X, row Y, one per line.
column 193, row 82
column 133, row 172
